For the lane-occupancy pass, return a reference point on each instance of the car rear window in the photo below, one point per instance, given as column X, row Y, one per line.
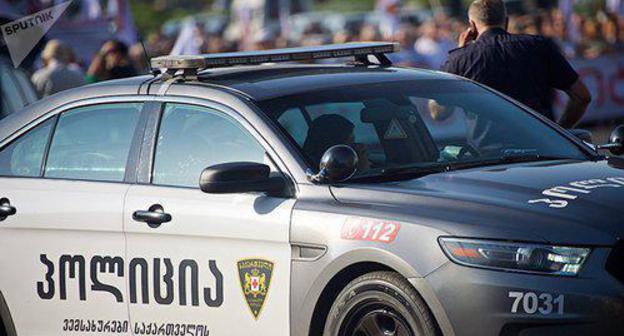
column 24, row 156
column 93, row 143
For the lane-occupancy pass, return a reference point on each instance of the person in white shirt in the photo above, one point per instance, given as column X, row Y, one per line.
column 56, row 75
column 432, row 47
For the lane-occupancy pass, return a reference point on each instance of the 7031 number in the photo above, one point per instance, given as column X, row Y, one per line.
column 532, row 303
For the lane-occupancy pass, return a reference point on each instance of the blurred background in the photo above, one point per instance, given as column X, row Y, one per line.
column 100, row 39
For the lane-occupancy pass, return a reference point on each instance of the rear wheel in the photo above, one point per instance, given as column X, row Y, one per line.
column 379, row 303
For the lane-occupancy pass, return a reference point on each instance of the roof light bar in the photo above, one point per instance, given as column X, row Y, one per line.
column 205, row 61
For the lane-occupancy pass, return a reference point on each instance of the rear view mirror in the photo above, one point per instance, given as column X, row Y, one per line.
column 240, row 177
column 616, row 141
column 338, row 164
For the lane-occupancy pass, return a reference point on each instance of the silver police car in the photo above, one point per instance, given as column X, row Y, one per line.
column 230, row 195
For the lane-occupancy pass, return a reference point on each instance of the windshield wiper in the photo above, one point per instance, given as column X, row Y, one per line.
column 402, row 172
column 533, row 157
column 421, row 170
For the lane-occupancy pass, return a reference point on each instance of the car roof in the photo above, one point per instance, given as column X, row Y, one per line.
column 264, row 82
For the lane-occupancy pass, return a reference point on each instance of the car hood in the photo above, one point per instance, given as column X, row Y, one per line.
column 564, row 202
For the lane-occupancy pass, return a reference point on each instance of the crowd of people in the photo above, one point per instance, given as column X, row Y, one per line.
column 578, row 36
column 425, row 43
column 61, row 70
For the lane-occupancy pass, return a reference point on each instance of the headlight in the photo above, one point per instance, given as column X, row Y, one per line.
column 519, row 257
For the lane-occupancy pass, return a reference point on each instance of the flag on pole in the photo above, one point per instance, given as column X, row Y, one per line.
column 616, row 7
column 187, row 42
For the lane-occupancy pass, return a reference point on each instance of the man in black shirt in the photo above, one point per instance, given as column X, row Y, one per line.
column 524, row 67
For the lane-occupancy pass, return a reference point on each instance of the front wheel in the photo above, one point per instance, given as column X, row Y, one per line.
column 379, row 304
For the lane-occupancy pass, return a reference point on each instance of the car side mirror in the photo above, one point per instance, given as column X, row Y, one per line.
column 616, row 141
column 240, row 177
column 338, row 164
column 583, row 135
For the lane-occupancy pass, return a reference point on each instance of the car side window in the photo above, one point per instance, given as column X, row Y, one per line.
column 364, row 132
column 93, row 142
column 295, row 124
column 192, row 138
column 24, row 156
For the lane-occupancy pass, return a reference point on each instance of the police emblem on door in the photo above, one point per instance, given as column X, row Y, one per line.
column 255, row 278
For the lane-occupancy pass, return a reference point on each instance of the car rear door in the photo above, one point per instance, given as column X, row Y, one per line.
column 62, row 244
column 221, row 265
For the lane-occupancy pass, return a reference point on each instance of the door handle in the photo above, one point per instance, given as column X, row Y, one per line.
column 6, row 209
column 154, row 216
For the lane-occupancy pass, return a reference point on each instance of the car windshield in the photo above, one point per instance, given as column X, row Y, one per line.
column 417, row 127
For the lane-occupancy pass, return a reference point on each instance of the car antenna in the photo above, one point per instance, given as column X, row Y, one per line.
column 154, row 72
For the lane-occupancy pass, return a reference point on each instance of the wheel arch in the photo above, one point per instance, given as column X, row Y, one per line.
column 334, row 286
column 6, row 321
column 353, row 264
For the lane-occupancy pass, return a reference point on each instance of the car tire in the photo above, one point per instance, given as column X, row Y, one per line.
column 379, row 303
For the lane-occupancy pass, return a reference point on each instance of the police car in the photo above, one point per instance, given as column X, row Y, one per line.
column 232, row 194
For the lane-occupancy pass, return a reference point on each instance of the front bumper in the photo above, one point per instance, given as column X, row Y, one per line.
column 484, row 302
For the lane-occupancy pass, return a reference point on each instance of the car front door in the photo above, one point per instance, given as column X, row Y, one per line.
column 62, row 244
column 221, row 264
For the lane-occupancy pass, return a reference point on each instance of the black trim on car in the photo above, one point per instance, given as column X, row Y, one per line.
column 148, row 149
column 146, row 157
column 134, row 155
column 615, row 262
column 5, row 316
column 44, row 159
